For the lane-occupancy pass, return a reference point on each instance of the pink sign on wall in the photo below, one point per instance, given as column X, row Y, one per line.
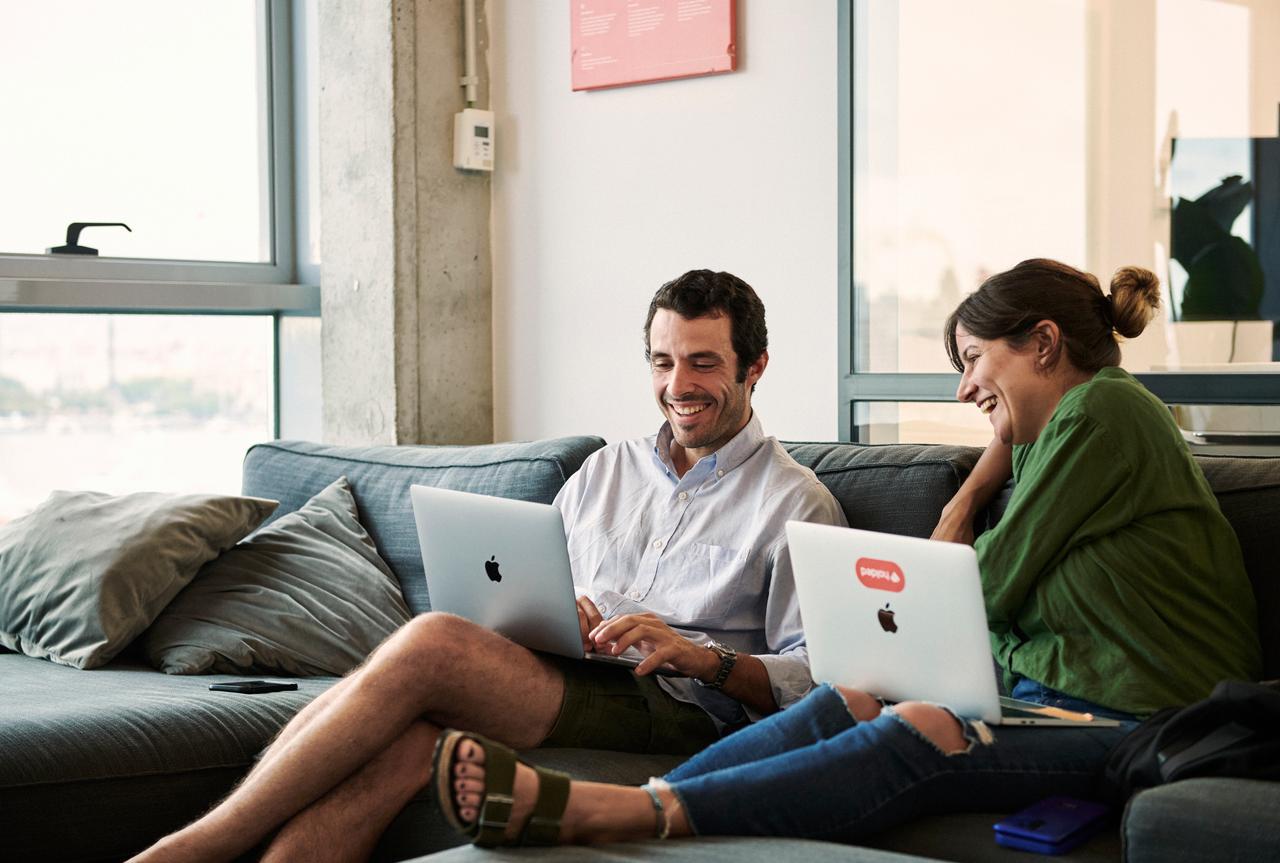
column 632, row 41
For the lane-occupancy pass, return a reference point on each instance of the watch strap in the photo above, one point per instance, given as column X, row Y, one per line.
column 728, row 658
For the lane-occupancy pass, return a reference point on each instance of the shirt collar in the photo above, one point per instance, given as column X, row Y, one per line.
column 739, row 448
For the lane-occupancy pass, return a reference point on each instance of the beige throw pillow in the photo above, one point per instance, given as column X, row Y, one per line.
column 86, row 573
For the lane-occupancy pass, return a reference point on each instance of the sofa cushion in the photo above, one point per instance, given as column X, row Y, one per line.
column 1248, row 491
column 892, row 488
column 708, row 849
column 967, row 839
column 1204, row 819
column 86, row 573
column 292, row 471
column 110, row 737
column 57, row 724
column 306, row 595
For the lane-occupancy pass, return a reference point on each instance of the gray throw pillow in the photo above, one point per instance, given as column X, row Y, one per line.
column 85, row 573
column 306, row 595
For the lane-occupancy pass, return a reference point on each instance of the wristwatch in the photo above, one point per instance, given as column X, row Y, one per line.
column 728, row 656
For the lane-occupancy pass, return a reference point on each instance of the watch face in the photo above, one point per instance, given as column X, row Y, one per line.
column 722, row 649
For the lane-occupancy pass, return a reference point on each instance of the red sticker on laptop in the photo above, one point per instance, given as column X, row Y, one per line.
column 880, row 574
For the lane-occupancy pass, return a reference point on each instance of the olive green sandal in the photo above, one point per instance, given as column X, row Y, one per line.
column 489, row 828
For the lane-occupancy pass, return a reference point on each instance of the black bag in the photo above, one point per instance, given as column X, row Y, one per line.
column 1233, row 732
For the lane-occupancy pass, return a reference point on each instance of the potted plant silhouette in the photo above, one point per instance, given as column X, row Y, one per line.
column 1224, row 284
column 1224, row 276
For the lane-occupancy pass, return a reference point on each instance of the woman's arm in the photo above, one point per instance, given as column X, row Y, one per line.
column 983, row 483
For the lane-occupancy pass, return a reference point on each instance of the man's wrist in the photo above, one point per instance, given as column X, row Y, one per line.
column 710, row 668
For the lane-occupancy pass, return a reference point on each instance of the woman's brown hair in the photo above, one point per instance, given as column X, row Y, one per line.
column 1009, row 304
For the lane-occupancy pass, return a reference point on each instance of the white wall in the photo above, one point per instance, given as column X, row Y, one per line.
column 600, row 197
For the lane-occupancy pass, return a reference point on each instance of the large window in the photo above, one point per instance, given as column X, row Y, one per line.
column 149, row 113
column 121, row 403
column 982, row 133
column 153, row 364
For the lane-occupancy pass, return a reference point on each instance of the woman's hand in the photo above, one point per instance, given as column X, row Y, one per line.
column 981, row 486
column 955, row 525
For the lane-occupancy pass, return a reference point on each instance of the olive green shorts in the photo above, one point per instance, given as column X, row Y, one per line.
column 608, row 707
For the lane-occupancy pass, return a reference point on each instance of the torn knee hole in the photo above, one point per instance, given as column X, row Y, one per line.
column 940, row 727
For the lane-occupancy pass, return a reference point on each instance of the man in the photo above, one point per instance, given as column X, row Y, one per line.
column 678, row 548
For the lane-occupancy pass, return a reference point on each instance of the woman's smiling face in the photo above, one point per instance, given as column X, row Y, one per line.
column 1006, row 385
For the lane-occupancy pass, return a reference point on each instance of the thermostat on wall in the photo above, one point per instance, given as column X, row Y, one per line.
column 473, row 140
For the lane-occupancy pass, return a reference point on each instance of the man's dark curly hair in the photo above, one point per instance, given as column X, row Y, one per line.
column 703, row 293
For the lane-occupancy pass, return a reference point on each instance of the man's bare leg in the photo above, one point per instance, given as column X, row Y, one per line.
column 304, row 716
column 438, row 667
column 347, row 822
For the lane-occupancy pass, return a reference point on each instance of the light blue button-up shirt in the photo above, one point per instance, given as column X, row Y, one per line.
column 706, row 552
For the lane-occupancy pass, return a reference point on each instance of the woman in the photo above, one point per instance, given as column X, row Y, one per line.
column 1113, row 586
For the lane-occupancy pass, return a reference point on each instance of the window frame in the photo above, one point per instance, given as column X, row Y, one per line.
column 855, row 387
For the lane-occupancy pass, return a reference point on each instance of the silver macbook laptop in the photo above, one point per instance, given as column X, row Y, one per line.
column 903, row 618
column 503, row 564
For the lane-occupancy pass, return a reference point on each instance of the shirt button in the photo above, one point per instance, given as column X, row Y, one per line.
column 720, row 473
column 635, row 594
column 657, row 543
column 684, row 495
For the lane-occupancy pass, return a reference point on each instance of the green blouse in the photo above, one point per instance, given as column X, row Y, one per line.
column 1113, row 576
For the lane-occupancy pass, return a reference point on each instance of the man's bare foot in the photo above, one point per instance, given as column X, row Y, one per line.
column 595, row 812
column 468, row 787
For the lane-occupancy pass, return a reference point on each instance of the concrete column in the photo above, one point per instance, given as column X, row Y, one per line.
column 405, row 276
column 455, row 306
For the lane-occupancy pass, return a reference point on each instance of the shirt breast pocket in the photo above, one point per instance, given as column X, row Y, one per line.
column 702, row 583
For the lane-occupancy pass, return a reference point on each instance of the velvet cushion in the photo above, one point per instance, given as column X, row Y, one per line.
column 306, row 595
column 85, row 573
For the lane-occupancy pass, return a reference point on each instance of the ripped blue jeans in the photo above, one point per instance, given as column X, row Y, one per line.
column 813, row 771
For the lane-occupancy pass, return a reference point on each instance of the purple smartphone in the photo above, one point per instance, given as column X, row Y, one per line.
column 1052, row 826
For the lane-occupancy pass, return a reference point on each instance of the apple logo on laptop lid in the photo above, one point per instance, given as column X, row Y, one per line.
column 491, row 568
column 886, row 618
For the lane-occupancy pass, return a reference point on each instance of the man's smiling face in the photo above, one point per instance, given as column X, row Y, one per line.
column 695, row 380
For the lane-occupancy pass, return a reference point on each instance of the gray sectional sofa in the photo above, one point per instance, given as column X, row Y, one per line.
column 95, row 764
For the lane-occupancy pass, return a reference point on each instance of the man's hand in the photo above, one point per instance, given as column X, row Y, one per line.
column 661, row 645
column 589, row 618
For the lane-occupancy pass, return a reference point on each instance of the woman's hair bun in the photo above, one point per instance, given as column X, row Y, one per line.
column 1135, row 296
